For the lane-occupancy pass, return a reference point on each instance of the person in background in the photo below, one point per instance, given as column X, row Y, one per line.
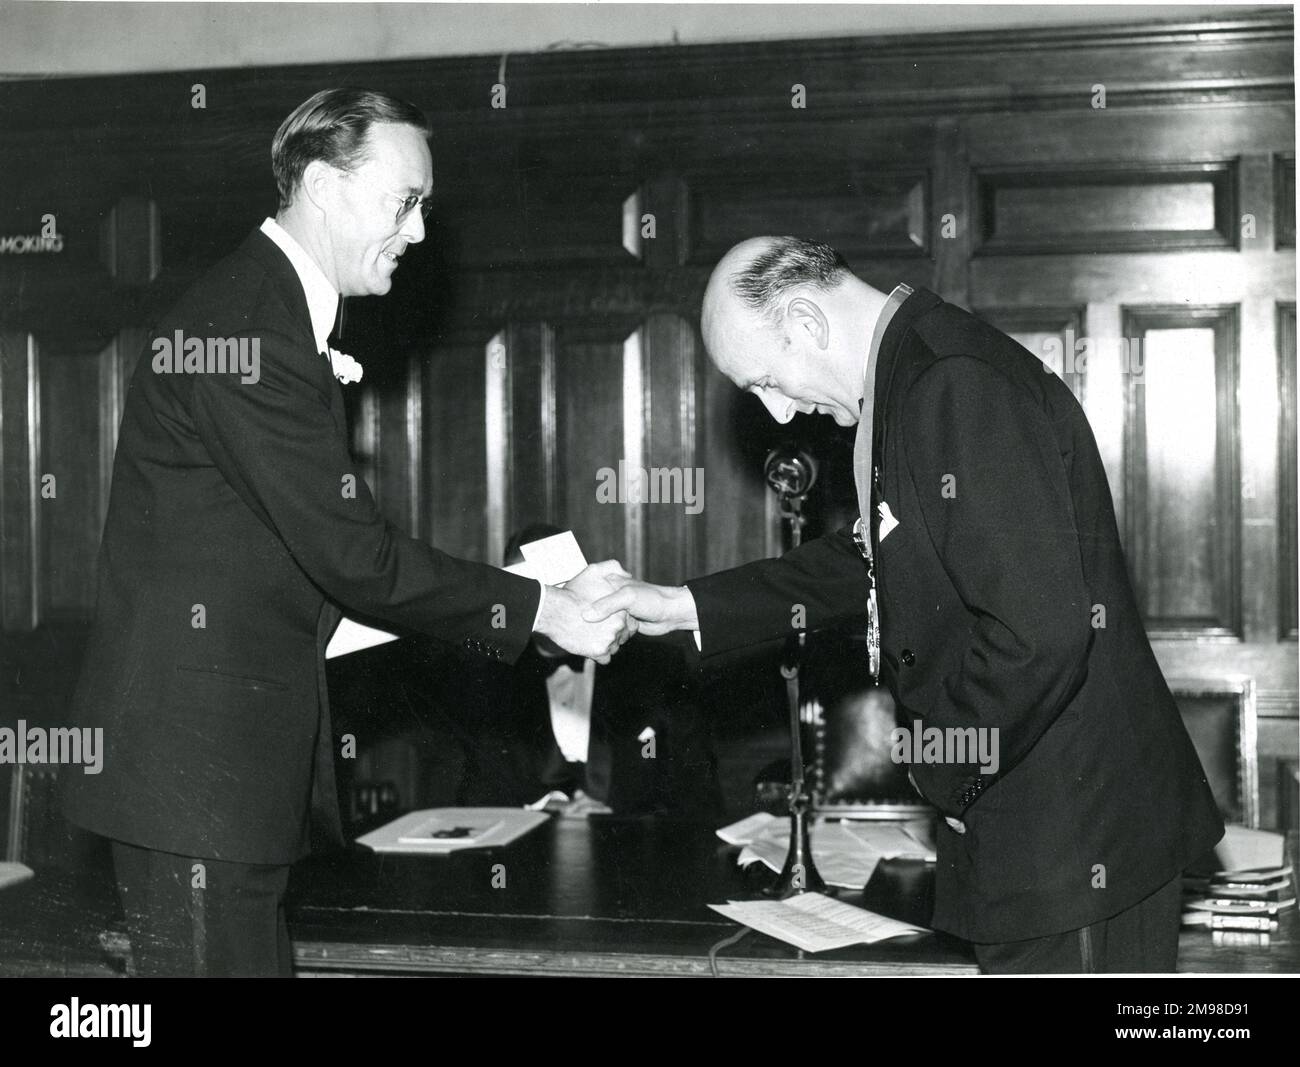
column 628, row 736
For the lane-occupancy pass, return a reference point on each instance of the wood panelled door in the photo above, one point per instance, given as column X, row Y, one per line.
column 1121, row 200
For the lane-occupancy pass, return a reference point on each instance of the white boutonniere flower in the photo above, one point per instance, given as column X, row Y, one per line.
column 346, row 369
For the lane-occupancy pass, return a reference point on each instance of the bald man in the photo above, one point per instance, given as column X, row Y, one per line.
column 985, row 552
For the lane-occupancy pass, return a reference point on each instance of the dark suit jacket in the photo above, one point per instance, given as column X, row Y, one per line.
column 989, row 591
column 512, row 757
column 231, row 496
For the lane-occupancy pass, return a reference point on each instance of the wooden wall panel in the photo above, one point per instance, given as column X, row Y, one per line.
column 1256, row 387
column 117, row 361
column 530, row 365
column 414, row 446
column 1078, row 206
column 1286, row 497
column 863, row 210
column 130, row 243
column 1055, row 335
column 69, row 505
column 398, row 457
column 1284, row 199
column 679, row 488
column 740, row 514
column 20, row 464
column 1183, row 540
column 367, row 434
column 561, row 218
column 536, row 243
column 589, row 420
column 454, row 488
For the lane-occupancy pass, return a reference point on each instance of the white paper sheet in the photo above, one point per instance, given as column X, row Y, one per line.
column 744, row 831
column 352, row 636
column 1243, row 849
column 554, row 559
column 13, row 873
column 846, row 852
column 418, row 831
column 814, row 922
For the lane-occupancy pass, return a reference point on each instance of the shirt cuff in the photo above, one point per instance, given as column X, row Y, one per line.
column 696, row 634
column 540, row 601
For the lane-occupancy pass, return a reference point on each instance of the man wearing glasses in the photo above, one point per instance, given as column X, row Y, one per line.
column 238, row 529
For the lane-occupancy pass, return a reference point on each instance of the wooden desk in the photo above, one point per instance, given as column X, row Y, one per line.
column 604, row 896
column 599, row 897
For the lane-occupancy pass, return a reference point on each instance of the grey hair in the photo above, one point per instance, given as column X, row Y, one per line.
column 787, row 264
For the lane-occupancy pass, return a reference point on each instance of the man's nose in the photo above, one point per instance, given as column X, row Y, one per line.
column 413, row 227
column 780, row 408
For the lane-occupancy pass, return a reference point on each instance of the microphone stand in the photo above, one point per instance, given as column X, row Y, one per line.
column 792, row 475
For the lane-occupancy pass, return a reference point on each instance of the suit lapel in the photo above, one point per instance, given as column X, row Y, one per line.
column 326, row 821
column 887, row 362
column 286, row 281
column 916, row 305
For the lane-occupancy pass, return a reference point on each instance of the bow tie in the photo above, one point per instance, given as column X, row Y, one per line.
column 551, row 664
column 336, row 333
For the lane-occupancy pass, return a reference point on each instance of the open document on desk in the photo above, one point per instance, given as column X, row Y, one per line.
column 815, row 923
column 846, row 853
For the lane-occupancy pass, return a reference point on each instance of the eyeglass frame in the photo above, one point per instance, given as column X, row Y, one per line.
column 410, row 203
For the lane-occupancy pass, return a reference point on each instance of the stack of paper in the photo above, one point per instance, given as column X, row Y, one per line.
column 846, row 853
column 1249, row 888
column 1243, row 849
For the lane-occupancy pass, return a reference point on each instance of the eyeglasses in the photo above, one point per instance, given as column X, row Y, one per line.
column 408, row 203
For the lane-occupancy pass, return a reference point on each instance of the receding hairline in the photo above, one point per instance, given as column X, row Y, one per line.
column 766, row 268
column 367, row 145
column 336, row 126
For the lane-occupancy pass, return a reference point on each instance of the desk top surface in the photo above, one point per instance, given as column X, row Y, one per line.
column 636, row 889
column 590, row 897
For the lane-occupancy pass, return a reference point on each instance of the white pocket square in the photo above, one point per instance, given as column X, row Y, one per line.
column 887, row 520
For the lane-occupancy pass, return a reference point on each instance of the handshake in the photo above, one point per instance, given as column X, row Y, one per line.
column 598, row 609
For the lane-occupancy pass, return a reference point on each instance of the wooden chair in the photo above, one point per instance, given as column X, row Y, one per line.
column 1219, row 713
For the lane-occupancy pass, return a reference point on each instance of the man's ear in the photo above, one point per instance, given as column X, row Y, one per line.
column 806, row 315
column 318, row 184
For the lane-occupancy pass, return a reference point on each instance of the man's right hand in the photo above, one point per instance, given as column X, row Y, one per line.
column 656, row 609
column 562, row 621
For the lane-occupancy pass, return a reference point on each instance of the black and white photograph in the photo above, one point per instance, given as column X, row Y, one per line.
column 672, row 490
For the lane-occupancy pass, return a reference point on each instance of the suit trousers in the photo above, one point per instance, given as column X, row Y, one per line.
column 198, row 918
column 1141, row 939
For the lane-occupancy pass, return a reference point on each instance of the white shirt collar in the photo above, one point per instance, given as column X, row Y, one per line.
column 322, row 298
